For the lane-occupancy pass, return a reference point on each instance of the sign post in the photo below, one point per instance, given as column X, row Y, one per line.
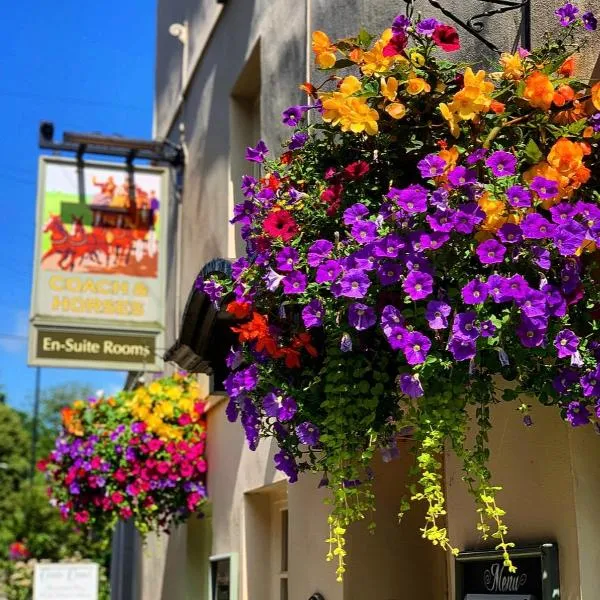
column 99, row 273
column 65, row 581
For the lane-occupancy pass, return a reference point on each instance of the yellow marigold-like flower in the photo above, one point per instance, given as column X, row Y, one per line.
column 141, row 412
column 174, row 392
column 417, row 85
column 360, row 117
column 373, row 61
column 474, row 98
column 389, row 88
column 491, row 206
column 324, row 50
column 512, row 65
column 539, row 91
column 450, row 117
column 165, row 409
column 185, row 404
column 396, row 110
column 155, row 388
column 154, row 422
column 417, row 59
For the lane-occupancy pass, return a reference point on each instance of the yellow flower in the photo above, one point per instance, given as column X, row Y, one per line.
column 389, row 88
column 324, row 50
column 417, row 59
column 451, row 118
column 396, row 110
column 78, row 404
column 373, row 61
column 165, row 409
column 361, row 117
column 512, row 65
column 417, row 85
column 154, row 422
column 185, row 404
column 141, row 412
column 350, row 85
column 174, row 392
column 596, row 96
column 155, row 388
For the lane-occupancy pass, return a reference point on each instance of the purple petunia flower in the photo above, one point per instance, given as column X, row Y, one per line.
column 396, row 336
column 534, row 304
column 590, row 383
column 426, row 27
column 412, row 199
column 361, row 316
column 410, row 385
column 566, row 343
column 541, row 257
column 294, row 283
column 476, row 156
column 298, row 140
column 346, row 343
column 465, row 325
column 468, row 217
column 418, row 285
column 567, row 14
column 354, row 284
column 577, row 414
column 312, row 314
column 437, row 313
column 441, row 220
column 569, row 238
column 286, row 258
column 293, row 115
column 400, row 24
column 532, row 331
column 415, row 348
column 391, row 317
column 389, row 273
column 563, row 213
column 213, row 290
column 286, row 463
column 491, row 252
column 513, row 288
column 487, row 329
column 518, row 196
column 502, row 163
column 590, row 22
column 232, row 411
column 364, row 231
column 248, row 185
column 432, row 166
column 544, row 188
column 555, row 302
column 234, row 358
column 389, row 246
column 258, row 153
column 439, row 199
column 510, row 233
column 461, row 176
column 318, row 252
column 328, row 272
column 277, row 405
column 308, row 433
column 535, row 227
column 563, row 382
column 273, row 279
column 462, row 348
column 594, row 122
column 356, row 212
column 475, row 292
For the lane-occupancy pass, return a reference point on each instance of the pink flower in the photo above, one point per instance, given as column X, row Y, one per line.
column 117, row 497
column 82, row 517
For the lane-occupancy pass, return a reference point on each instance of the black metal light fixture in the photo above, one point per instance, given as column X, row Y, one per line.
column 474, row 25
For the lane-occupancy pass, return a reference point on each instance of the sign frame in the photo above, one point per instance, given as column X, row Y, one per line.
column 40, row 567
column 39, row 323
column 547, row 553
column 233, row 561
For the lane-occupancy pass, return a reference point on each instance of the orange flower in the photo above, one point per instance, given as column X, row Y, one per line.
column 324, row 50
column 565, row 156
column 596, row 96
column 539, row 91
column 304, row 340
column 497, row 107
column 254, row 329
column 71, row 422
column 292, row 358
column 240, row 310
column 563, row 94
column 581, row 176
column 568, row 67
column 309, row 88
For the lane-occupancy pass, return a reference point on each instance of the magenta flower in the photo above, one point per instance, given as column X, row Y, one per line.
column 544, row 188
column 412, row 199
column 294, row 283
column 518, row 196
column 354, row 284
column 491, row 252
column 286, row 258
column 475, row 292
column 312, row 314
column 437, row 313
column 566, row 343
column 410, row 385
column 258, row 153
column 418, row 285
column 431, row 166
column 416, row 346
column 361, row 316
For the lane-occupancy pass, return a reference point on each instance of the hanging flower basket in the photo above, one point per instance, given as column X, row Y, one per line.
column 429, row 232
column 138, row 455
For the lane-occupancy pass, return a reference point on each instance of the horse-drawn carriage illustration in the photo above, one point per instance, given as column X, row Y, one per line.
column 110, row 231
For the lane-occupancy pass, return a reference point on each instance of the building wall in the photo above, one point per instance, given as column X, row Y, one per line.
column 244, row 61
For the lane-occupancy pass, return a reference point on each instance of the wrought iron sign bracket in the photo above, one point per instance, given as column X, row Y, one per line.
column 474, row 25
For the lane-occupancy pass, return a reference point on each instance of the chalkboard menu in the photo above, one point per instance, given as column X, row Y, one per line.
column 481, row 575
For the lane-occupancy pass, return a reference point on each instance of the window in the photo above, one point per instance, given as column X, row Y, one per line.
column 223, row 582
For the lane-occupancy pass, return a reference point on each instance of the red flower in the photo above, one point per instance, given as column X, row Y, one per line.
column 240, row 310
column 446, row 37
column 396, row 45
column 42, row 464
column 117, row 497
column 280, row 224
column 356, row 170
column 82, row 517
column 333, row 193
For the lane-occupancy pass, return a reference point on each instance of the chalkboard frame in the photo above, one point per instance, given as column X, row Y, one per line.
column 546, row 552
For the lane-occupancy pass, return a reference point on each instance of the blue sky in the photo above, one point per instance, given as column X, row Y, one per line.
column 86, row 67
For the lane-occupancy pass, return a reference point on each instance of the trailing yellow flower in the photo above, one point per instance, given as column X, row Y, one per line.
column 417, row 85
column 389, row 88
column 373, row 61
column 155, row 388
column 324, row 50
column 451, row 118
column 512, row 65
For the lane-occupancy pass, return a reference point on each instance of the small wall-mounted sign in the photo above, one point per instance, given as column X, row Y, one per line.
column 482, row 575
